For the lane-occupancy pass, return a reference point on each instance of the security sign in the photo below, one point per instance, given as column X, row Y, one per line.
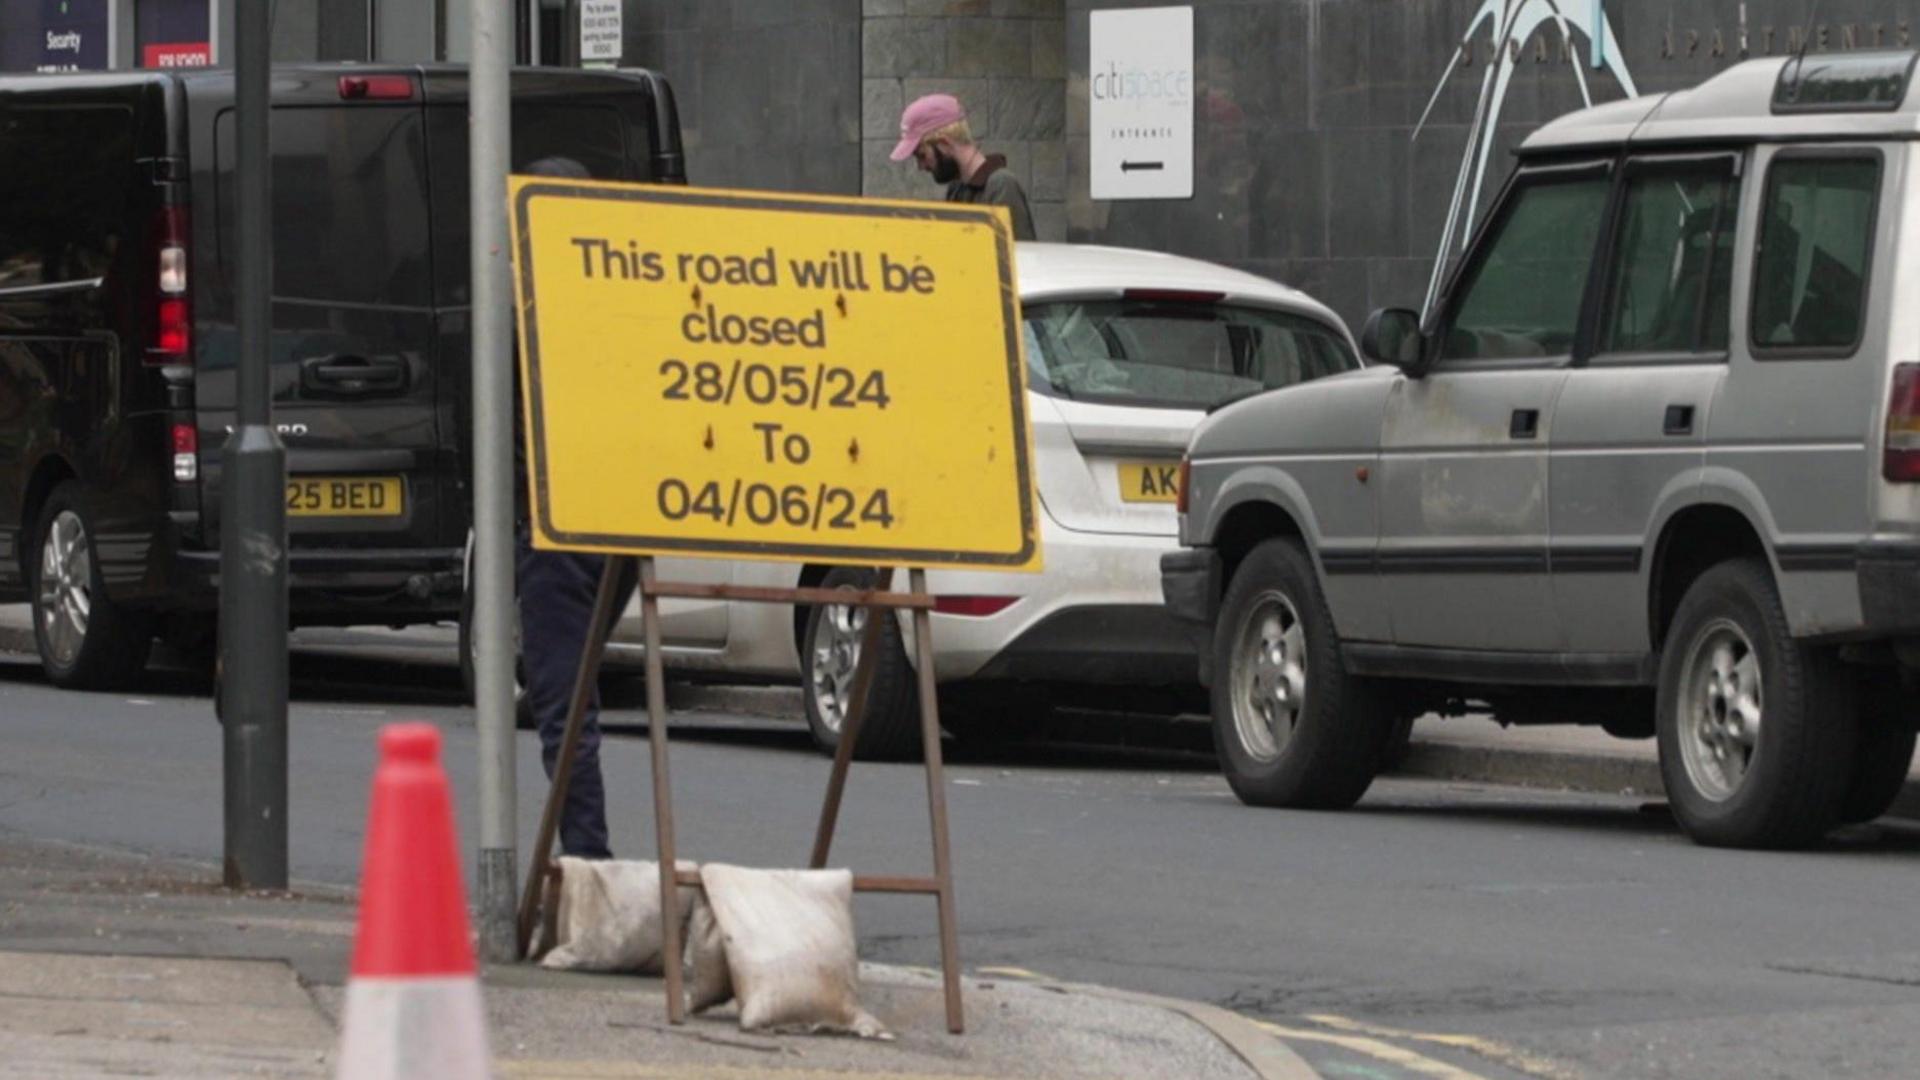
column 748, row 375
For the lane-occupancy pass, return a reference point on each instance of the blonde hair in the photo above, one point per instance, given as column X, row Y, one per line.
column 957, row 133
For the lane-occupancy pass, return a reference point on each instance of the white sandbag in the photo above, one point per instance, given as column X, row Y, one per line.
column 710, row 984
column 790, row 948
column 608, row 916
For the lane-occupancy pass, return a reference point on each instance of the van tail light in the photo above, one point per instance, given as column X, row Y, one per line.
column 172, row 340
column 186, row 453
column 1901, row 461
column 376, row 88
column 1184, row 482
column 973, row 607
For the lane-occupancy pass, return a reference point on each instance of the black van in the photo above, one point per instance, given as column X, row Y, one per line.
column 117, row 335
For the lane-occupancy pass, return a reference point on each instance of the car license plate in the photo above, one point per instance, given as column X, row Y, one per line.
column 345, row 496
column 1149, row 482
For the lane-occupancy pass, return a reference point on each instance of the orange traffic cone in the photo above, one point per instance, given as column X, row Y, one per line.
column 413, row 1005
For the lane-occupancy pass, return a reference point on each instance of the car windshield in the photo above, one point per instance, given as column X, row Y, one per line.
column 1173, row 353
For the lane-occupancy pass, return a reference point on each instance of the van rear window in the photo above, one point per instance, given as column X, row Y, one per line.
column 65, row 177
column 593, row 135
column 349, row 201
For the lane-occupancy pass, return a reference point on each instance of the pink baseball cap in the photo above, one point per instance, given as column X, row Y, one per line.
column 924, row 117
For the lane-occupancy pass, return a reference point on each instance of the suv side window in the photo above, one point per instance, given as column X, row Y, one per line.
column 1521, row 297
column 1816, row 248
column 1671, row 281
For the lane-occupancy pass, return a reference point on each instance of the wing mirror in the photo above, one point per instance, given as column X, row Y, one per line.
column 1392, row 336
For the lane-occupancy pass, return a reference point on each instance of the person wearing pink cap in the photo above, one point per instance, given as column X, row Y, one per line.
column 934, row 133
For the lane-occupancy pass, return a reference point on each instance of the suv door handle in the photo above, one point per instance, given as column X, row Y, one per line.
column 1526, row 424
column 1679, row 420
column 339, row 375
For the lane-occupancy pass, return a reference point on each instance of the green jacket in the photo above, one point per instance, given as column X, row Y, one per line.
column 995, row 186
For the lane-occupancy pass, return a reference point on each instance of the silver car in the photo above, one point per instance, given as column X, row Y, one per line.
column 1651, row 462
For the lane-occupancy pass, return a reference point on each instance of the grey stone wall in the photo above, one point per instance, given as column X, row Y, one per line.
column 769, row 90
column 1006, row 62
column 1307, row 165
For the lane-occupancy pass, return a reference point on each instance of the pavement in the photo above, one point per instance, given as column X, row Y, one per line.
column 120, row 964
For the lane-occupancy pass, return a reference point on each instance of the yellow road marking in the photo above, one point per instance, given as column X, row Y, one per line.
column 620, row 1070
column 1374, row 1048
column 1012, row 973
column 1498, row 1053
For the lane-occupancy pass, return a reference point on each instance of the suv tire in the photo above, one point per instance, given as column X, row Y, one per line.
column 1291, row 727
column 829, row 652
column 86, row 641
column 1756, row 729
column 1882, row 752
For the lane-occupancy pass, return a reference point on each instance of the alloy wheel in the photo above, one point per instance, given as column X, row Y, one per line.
column 1720, row 710
column 1269, row 676
column 836, row 653
column 65, row 587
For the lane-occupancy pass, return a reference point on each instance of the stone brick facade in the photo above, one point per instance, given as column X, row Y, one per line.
column 769, row 90
column 1006, row 62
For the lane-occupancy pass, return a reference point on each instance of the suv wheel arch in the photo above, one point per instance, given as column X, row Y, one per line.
column 1693, row 541
column 1247, row 526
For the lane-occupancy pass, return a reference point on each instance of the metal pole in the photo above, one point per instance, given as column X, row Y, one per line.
column 850, row 725
column 937, row 805
column 493, row 473
column 253, row 530
column 662, row 797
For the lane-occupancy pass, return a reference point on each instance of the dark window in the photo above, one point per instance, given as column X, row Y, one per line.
column 66, row 175
column 1173, row 354
column 593, row 135
column 1521, row 298
column 1672, row 278
column 1816, row 241
column 349, row 205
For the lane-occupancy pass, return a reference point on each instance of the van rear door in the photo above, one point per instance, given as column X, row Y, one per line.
column 357, row 396
column 619, row 126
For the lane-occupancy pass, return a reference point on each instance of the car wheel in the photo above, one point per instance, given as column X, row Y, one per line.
column 1756, row 729
column 829, row 653
column 470, row 663
column 86, row 641
column 1882, row 752
column 1291, row 727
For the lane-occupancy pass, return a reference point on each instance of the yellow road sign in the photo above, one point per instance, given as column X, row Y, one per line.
column 740, row 374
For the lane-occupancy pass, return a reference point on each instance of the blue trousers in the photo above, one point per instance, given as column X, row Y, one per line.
column 556, row 591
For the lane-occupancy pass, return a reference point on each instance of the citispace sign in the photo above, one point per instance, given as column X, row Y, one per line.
column 1140, row 62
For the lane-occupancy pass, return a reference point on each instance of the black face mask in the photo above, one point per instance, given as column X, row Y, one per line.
column 945, row 169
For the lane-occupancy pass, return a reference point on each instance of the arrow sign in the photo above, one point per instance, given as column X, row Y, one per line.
column 1142, row 166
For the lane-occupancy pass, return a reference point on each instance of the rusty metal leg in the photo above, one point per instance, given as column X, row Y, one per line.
column 671, row 958
column 937, row 807
column 613, row 589
column 849, row 724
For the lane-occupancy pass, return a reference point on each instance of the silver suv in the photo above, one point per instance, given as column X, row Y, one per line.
column 1651, row 462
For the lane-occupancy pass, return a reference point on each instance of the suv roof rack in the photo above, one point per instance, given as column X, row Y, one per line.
column 1855, row 82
